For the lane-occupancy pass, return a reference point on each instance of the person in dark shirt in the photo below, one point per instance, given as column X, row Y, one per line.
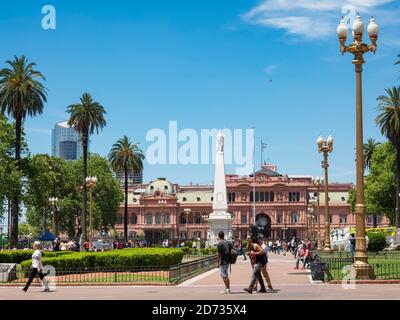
column 224, row 249
column 352, row 245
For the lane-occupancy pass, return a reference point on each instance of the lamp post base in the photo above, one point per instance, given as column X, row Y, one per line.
column 327, row 250
column 364, row 271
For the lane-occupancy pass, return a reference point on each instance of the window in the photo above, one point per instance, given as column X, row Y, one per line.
column 343, row 199
column 158, row 218
column 197, row 235
column 257, row 196
column 343, row 218
column 166, row 218
column 262, row 198
column 133, row 218
column 184, row 199
column 271, row 197
column 294, row 217
column 120, row 220
column 370, row 219
column 197, row 219
column 198, row 199
column 279, row 219
column 166, row 188
column 378, row 219
column 183, row 219
column 330, row 219
column 243, row 217
column 267, row 197
column 294, row 196
column 251, row 196
column 149, row 218
column 212, row 198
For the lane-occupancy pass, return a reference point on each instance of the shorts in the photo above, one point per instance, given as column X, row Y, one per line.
column 224, row 270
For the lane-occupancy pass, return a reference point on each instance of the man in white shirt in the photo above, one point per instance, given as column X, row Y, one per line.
column 37, row 268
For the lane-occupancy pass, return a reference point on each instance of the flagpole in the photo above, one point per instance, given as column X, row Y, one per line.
column 254, row 177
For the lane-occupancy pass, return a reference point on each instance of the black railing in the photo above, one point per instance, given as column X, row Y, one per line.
column 160, row 275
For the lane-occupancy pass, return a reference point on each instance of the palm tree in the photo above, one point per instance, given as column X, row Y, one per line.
column 389, row 122
column 369, row 149
column 86, row 117
column 21, row 94
column 127, row 157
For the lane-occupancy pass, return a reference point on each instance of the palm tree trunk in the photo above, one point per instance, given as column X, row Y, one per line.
column 126, row 205
column 397, row 185
column 15, row 204
column 84, row 189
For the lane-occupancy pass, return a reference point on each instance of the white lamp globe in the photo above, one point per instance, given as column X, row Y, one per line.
column 342, row 29
column 358, row 26
column 320, row 142
column 373, row 28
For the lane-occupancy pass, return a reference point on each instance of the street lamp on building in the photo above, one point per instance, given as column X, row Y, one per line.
column 91, row 183
column 318, row 182
column 187, row 212
column 162, row 204
column 53, row 203
column 358, row 48
column 326, row 147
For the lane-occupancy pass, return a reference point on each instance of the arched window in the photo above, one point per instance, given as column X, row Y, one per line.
column 271, row 196
column 257, row 196
column 149, row 218
column 343, row 218
column 262, row 198
column 267, row 197
column 182, row 219
column 197, row 219
column 133, row 218
column 294, row 217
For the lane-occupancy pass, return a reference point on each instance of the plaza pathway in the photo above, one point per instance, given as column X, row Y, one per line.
column 290, row 285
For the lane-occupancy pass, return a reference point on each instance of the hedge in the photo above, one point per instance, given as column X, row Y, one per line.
column 17, row 256
column 377, row 241
column 113, row 259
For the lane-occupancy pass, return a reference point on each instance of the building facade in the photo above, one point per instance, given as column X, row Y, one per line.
column 66, row 142
column 161, row 209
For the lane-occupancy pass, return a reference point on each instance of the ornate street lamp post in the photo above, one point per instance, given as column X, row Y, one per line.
column 187, row 212
column 53, row 203
column 91, row 183
column 318, row 182
column 162, row 204
column 326, row 146
column 358, row 48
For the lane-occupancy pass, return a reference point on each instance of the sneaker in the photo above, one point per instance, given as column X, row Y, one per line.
column 262, row 291
column 226, row 291
column 46, row 290
column 24, row 290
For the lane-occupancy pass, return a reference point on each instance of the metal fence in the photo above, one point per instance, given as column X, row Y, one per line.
column 155, row 275
column 384, row 268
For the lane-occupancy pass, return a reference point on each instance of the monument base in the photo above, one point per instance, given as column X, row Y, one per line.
column 219, row 221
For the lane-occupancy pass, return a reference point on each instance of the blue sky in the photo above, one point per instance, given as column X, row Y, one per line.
column 207, row 64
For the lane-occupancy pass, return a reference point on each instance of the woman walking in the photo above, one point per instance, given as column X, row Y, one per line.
column 37, row 268
column 259, row 259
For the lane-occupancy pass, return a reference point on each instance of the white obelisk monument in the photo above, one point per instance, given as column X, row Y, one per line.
column 220, row 219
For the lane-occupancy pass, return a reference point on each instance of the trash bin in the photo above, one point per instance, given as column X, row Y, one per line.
column 317, row 270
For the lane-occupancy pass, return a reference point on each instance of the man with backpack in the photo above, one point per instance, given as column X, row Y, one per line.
column 224, row 260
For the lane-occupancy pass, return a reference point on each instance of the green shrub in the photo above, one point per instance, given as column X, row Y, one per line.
column 17, row 256
column 377, row 241
column 112, row 259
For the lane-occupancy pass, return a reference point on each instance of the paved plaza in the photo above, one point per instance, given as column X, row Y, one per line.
column 290, row 284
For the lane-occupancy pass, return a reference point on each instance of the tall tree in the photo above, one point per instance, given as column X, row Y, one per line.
column 369, row 149
column 126, row 157
column 86, row 117
column 388, row 120
column 21, row 94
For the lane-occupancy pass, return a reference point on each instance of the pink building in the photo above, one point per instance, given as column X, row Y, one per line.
column 282, row 204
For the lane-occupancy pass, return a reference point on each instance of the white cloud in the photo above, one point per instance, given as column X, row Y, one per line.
column 310, row 18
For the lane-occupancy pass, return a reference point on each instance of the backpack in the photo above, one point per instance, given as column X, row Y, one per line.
column 232, row 254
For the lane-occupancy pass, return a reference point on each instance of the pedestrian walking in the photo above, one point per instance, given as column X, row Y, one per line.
column 352, row 245
column 259, row 260
column 240, row 249
column 37, row 268
column 224, row 248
